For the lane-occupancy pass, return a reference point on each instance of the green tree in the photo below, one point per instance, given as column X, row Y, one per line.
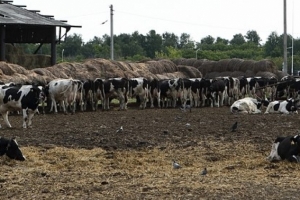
column 153, row 43
column 208, row 40
column 253, row 37
column 272, row 47
column 72, row 45
column 238, row 39
column 169, row 40
column 185, row 41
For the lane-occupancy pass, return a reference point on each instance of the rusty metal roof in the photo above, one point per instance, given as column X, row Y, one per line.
column 17, row 15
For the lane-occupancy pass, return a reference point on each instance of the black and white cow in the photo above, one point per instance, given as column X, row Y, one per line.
column 153, row 91
column 186, row 92
column 196, row 91
column 11, row 148
column 112, row 88
column 169, row 89
column 14, row 98
column 88, row 94
column 79, row 95
column 285, row 107
column 64, row 91
column 139, row 87
column 217, row 92
column 232, row 89
column 244, row 87
column 285, row 148
column 247, row 105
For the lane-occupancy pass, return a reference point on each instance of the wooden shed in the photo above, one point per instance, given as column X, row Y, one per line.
column 19, row 25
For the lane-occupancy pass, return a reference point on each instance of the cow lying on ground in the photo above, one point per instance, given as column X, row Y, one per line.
column 285, row 107
column 11, row 149
column 247, row 105
column 285, row 148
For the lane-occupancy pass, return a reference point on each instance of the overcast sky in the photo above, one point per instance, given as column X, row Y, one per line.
column 198, row 18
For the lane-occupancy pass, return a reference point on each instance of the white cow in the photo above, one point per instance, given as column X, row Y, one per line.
column 64, row 91
column 285, row 107
column 246, row 105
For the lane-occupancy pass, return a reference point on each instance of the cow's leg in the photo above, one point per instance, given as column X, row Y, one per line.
column 73, row 107
column 63, row 105
column 25, row 118
column 174, row 99
column 122, row 102
column 151, row 101
column 5, row 118
column 55, row 106
column 158, row 99
column 221, row 98
column 30, row 117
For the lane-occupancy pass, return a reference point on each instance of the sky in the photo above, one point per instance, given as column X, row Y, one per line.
column 198, row 18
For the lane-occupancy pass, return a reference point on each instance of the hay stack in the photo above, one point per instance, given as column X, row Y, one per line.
column 160, row 69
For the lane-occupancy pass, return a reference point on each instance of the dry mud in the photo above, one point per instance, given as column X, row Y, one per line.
column 82, row 156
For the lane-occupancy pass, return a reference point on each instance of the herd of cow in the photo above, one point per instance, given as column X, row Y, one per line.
column 245, row 95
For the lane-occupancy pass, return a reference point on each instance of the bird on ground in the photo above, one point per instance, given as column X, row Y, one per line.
column 204, row 172
column 183, row 108
column 176, row 165
column 234, row 127
column 120, row 129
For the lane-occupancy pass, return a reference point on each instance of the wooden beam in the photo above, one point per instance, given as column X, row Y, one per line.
column 6, row 1
column 48, row 16
column 35, row 11
column 21, row 6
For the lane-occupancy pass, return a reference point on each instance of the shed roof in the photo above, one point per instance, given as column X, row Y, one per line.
column 17, row 15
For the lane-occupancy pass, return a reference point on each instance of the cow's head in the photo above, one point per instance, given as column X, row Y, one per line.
column 296, row 140
column 13, row 151
column 261, row 103
column 292, row 105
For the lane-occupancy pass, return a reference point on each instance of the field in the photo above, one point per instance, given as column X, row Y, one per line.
column 82, row 157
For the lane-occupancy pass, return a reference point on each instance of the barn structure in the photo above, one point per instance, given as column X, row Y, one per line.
column 20, row 25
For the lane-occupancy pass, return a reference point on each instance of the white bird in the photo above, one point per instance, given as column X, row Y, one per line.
column 176, row 165
column 120, row 129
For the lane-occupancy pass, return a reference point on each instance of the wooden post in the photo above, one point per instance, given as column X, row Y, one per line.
column 53, row 46
column 2, row 43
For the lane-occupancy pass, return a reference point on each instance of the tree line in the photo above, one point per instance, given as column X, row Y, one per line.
column 137, row 47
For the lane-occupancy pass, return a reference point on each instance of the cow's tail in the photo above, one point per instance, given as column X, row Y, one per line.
column 69, row 86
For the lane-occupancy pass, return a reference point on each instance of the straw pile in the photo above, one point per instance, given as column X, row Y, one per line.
column 233, row 67
column 150, row 69
column 97, row 68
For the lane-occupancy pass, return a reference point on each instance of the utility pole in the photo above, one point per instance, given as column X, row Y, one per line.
column 111, row 33
column 284, row 39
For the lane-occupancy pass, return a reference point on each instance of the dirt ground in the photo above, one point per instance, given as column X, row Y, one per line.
column 82, row 157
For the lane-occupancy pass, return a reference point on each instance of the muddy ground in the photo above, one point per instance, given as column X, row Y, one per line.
column 82, row 157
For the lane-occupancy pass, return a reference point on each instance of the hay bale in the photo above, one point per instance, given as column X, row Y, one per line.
column 237, row 74
column 7, row 68
column 249, row 73
column 189, row 72
column 247, row 65
column 212, row 75
column 265, row 65
column 265, row 74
